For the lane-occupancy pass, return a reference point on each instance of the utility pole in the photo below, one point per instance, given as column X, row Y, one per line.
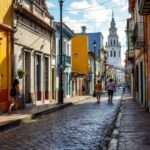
column 94, row 45
column 60, row 90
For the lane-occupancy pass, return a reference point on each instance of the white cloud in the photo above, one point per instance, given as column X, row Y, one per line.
column 91, row 12
column 75, row 6
column 79, row 5
column 50, row 4
column 97, row 18
column 125, row 8
column 121, row 3
column 75, row 24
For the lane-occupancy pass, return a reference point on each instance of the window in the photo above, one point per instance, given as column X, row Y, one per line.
column 110, row 53
column 68, row 49
column 114, row 53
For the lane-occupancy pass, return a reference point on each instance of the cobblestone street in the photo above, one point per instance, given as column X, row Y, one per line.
column 79, row 127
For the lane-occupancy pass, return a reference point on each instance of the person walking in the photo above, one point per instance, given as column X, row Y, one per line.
column 98, row 88
column 111, row 87
column 16, row 100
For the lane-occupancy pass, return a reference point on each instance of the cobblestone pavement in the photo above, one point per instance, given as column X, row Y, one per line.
column 79, row 127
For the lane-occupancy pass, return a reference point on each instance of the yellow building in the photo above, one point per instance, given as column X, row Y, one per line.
column 80, row 66
column 6, row 19
column 80, row 54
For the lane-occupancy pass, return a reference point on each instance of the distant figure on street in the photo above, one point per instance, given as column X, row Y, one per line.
column 83, row 90
column 98, row 88
column 16, row 100
column 111, row 87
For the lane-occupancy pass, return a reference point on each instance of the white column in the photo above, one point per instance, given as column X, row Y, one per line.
column 32, row 76
column 42, row 77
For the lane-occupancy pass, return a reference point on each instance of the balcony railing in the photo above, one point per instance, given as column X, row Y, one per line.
column 131, row 54
column 130, row 40
column 67, row 59
column 144, row 6
column 138, row 36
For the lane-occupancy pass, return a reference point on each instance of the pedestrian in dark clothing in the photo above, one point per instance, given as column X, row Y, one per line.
column 83, row 89
column 16, row 100
column 111, row 87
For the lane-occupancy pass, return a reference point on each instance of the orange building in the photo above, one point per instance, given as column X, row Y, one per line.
column 80, row 67
column 6, row 20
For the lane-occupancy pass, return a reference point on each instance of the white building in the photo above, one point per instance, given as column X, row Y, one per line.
column 34, row 50
column 113, row 48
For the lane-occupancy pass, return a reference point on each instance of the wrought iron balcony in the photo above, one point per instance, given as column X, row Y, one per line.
column 138, row 36
column 66, row 60
column 144, row 6
column 131, row 54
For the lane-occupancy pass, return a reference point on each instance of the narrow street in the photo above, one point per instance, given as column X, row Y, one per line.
column 83, row 126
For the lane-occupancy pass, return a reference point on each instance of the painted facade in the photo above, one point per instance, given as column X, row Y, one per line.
column 147, row 57
column 80, row 52
column 137, row 59
column 98, row 38
column 67, row 80
column 130, row 55
column 6, row 20
column 144, row 9
column 34, row 50
column 80, row 67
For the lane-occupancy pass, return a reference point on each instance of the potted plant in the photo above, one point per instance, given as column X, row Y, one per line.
column 20, row 73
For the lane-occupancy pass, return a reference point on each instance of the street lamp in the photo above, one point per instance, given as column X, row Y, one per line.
column 105, row 63
column 60, row 89
column 94, row 45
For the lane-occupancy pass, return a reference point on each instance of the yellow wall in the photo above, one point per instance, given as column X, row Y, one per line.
column 6, row 12
column 80, row 54
column 6, row 19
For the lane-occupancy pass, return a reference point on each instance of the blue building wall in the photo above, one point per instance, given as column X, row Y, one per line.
column 98, row 37
column 67, row 82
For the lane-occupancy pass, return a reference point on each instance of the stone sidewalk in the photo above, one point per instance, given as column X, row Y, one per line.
column 134, row 128
column 30, row 112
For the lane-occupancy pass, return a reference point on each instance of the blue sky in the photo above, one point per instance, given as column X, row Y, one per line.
column 95, row 14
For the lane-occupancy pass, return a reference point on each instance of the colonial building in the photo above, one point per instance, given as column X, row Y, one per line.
column 136, row 54
column 113, row 48
column 6, row 31
column 130, row 55
column 80, row 68
column 95, row 45
column 67, row 80
column 34, row 50
column 144, row 9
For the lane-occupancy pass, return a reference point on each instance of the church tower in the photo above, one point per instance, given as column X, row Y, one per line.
column 113, row 48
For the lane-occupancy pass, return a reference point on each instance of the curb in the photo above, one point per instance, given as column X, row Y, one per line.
column 16, row 122
column 113, row 145
column 110, row 131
